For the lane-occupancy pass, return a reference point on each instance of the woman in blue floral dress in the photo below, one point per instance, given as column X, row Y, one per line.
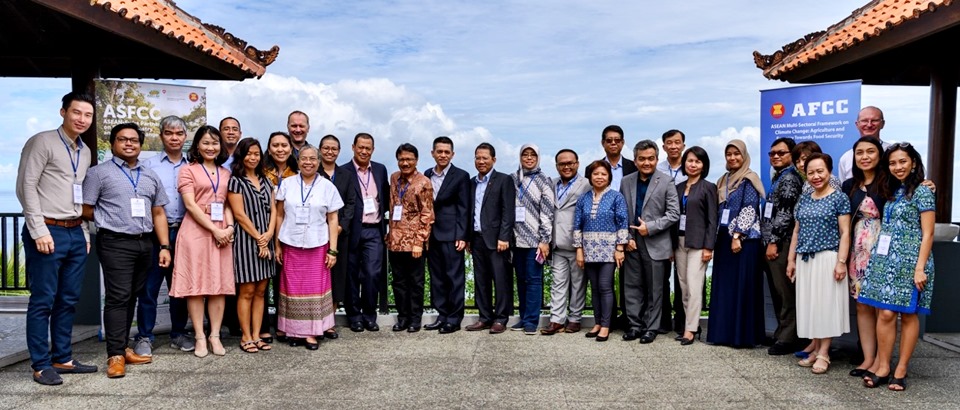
column 736, row 295
column 899, row 276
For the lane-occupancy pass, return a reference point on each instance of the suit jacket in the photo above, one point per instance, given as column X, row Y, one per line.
column 497, row 211
column 349, row 171
column 661, row 210
column 628, row 167
column 345, row 187
column 452, row 206
column 702, row 211
column 564, row 215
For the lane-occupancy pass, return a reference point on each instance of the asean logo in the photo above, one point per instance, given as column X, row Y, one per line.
column 777, row 110
column 194, row 97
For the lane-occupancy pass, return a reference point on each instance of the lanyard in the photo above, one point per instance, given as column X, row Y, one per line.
column 303, row 199
column 366, row 185
column 675, row 173
column 726, row 193
column 215, row 186
column 886, row 215
column 404, row 191
column 561, row 193
column 684, row 210
column 522, row 189
column 74, row 163
column 132, row 182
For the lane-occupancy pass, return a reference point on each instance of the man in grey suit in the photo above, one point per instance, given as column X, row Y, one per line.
column 652, row 208
column 567, row 276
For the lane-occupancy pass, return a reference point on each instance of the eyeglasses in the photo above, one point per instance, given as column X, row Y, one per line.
column 613, row 141
column 566, row 164
column 903, row 145
column 872, row 121
column 128, row 140
column 330, row 149
column 778, row 153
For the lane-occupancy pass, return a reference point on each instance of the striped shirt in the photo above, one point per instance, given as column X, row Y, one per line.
column 110, row 187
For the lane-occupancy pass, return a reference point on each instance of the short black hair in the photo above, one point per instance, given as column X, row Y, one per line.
column 408, row 147
column 701, row 154
column 600, row 164
column 442, row 140
column 126, row 126
column 487, row 146
column 330, row 137
column 363, row 135
column 76, row 96
column 194, row 153
column 575, row 156
column 645, row 145
column 670, row 133
column 786, row 140
column 827, row 160
column 230, row 118
column 614, row 128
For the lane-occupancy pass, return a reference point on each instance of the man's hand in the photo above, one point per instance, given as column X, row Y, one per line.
column 706, row 255
column 461, row 245
column 772, row 253
column 164, row 258
column 929, row 184
column 417, row 252
column 641, row 229
column 45, row 244
column 502, row 246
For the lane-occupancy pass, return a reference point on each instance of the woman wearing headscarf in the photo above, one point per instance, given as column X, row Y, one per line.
column 736, row 297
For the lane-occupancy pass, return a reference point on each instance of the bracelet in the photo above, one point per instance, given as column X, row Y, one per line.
column 618, row 250
column 332, row 252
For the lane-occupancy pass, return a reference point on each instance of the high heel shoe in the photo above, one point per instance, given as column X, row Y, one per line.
column 216, row 348
column 687, row 342
column 200, row 349
column 281, row 338
column 874, row 380
column 592, row 334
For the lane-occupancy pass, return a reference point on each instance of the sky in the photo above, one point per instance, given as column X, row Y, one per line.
column 508, row 73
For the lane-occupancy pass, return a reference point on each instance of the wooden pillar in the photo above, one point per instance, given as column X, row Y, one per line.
column 941, row 140
column 85, row 70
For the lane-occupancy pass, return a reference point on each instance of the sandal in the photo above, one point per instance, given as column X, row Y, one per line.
column 872, row 381
column 820, row 369
column 807, row 361
column 900, row 382
column 262, row 344
column 249, row 347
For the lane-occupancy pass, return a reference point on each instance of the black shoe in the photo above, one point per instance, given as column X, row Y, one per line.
column 356, row 327
column 679, row 336
column 75, row 367
column 331, row 334
column 281, row 339
column 47, row 377
column 371, row 326
column 413, row 328
column 592, row 334
column 686, row 342
column 630, row 335
column 858, row 372
column 295, row 341
column 448, row 328
column 602, row 338
column 311, row 346
column 663, row 331
column 768, row 341
column 648, row 337
column 401, row 325
column 780, row 349
column 434, row 326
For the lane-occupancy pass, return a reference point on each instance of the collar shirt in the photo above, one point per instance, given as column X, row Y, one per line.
column 675, row 173
column 437, row 179
column 617, row 171
column 123, row 197
column 478, row 198
column 368, row 189
column 319, row 199
column 411, row 212
column 642, row 186
column 168, row 172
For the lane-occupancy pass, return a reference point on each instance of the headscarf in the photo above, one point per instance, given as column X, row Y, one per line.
column 536, row 168
column 738, row 176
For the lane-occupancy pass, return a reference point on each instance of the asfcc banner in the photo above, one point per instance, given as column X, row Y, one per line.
column 823, row 113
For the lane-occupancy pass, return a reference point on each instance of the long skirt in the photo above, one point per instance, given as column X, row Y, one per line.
column 822, row 301
column 736, row 295
column 306, row 302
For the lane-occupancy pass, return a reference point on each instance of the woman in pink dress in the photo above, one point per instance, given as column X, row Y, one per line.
column 203, row 267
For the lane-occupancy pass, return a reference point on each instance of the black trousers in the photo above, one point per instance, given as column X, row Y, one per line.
column 447, row 281
column 601, row 284
column 125, row 261
column 408, row 285
column 492, row 277
column 364, row 276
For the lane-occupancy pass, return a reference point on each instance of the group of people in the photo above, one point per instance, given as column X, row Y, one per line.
column 223, row 220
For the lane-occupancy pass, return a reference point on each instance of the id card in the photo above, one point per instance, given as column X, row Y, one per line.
column 302, row 214
column 78, row 194
column 369, row 207
column 138, row 207
column 216, row 211
column 397, row 213
column 883, row 244
column 768, row 210
column 725, row 217
column 521, row 214
column 683, row 222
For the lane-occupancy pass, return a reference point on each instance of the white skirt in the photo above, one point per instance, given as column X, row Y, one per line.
column 822, row 305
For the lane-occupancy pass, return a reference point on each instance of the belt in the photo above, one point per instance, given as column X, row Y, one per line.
column 376, row 225
column 66, row 223
column 145, row 235
column 173, row 225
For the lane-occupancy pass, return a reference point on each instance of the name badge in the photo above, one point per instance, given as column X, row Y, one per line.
column 725, row 217
column 768, row 210
column 521, row 214
column 138, row 207
column 683, row 222
column 77, row 194
column 397, row 213
column 369, row 207
column 883, row 244
column 216, row 211
column 302, row 214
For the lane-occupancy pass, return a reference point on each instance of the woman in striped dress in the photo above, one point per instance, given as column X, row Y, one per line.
column 278, row 164
column 251, row 197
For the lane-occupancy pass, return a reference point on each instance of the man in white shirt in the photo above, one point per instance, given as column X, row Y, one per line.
column 869, row 123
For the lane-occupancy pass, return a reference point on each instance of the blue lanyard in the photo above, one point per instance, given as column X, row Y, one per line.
column 726, row 194
column 215, row 186
column 404, row 191
column 303, row 199
column 74, row 163
column 684, row 210
column 886, row 215
column 560, row 193
column 132, row 182
column 366, row 186
column 520, row 185
column 675, row 173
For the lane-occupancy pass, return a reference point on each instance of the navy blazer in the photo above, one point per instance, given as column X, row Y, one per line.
column 451, row 207
column 348, row 194
column 702, row 214
column 348, row 170
column 497, row 209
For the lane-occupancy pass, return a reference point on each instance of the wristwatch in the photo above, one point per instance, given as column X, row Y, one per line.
column 164, row 247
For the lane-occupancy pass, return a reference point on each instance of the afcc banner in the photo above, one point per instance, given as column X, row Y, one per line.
column 145, row 104
column 822, row 113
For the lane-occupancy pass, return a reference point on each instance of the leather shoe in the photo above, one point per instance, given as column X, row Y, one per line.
column 294, row 341
column 356, row 327
column 648, row 337
column 413, row 328
column 74, row 367
column 434, row 326
column 572, row 327
column 477, row 326
column 47, row 377
column 449, row 328
column 552, row 329
column 132, row 358
column 331, row 333
column 371, row 326
column 630, row 335
column 401, row 325
column 779, row 349
column 312, row 346
column 497, row 328
column 116, row 367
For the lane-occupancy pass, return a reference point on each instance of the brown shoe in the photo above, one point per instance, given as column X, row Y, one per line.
column 477, row 326
column 552, row 328
column 134, row 358
column 572, row 327
column 116, row 367
column 497, row 328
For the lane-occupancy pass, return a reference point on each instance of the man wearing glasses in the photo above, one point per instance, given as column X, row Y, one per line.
column 869, row 123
